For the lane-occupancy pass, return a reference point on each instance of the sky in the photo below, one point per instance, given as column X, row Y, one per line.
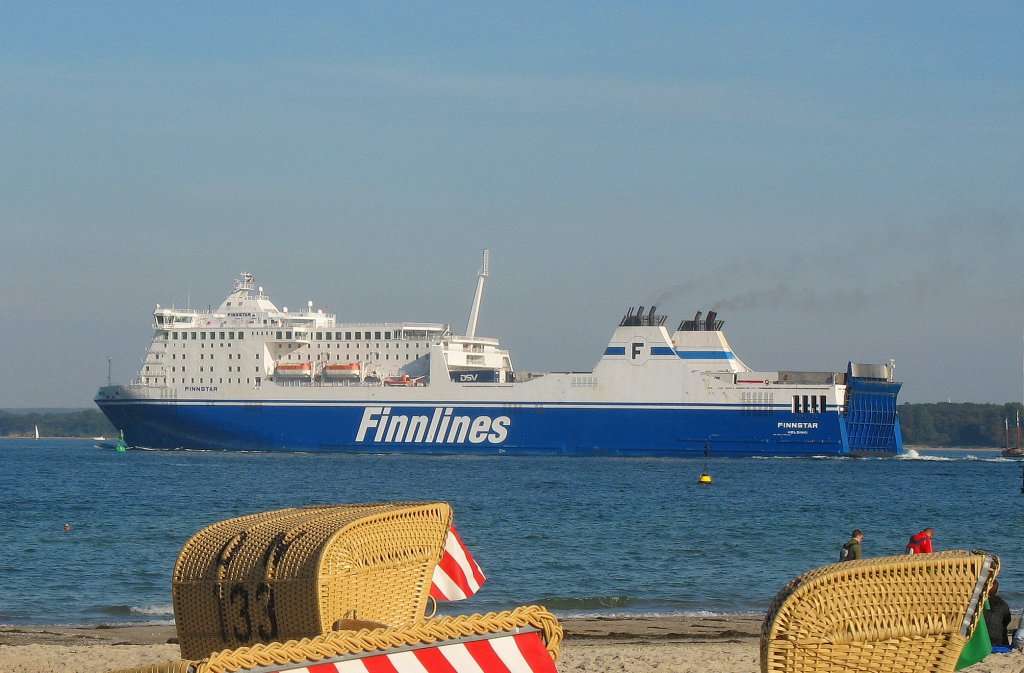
column 840, row 181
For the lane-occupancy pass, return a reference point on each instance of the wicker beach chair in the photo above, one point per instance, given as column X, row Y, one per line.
column 293, row 573
column 898, row 613
column 343, row 588
column 525, row 640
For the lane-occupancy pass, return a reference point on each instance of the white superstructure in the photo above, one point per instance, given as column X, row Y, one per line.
column 247, row 342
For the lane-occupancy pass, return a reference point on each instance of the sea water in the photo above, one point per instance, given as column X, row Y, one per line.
column 583, row 536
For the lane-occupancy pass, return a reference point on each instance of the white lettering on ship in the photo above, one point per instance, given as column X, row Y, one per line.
column 798, row 426
column 441, row 427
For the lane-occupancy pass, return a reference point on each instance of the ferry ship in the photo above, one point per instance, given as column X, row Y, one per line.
column 250, row 376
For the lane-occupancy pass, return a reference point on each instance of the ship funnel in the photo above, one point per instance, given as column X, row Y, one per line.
column 474, row 313
column 642, row 317
column 710, row 323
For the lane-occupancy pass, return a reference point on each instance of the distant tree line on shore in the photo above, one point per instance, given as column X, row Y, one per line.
column 939, row 424
column 959, row 423
column 75, row 423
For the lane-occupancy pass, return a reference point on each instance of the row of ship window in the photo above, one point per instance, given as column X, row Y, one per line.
column 357, row 358
column 327, row 355
column 375, row 356
column 309, row 357
column 203, row 335
column 201, row 368
column 202, row 356
column 408, row 344
column 201, row 381
column 286, row 335
column 809, row 404
column 366, row 344
column 332, row 336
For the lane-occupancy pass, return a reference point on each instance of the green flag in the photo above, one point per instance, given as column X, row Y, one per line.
column 978, row 646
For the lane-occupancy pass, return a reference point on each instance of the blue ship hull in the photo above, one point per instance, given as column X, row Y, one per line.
column 551, row 429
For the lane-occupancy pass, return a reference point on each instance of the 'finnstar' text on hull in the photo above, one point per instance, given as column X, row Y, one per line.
column 247, row 376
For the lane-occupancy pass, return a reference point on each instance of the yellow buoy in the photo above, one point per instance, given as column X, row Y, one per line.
column 705, row 476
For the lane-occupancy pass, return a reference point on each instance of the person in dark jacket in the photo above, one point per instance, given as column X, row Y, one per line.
column 851, row 551
column 997, row 617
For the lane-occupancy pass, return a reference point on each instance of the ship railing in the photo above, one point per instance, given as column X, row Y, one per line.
column 470, row 344
column 413, row 326
column 429, row 326
column 320, row 383
column 700, row 326
column 150, row 391
column 807, row 378
column 219, row 322
column 172, row 311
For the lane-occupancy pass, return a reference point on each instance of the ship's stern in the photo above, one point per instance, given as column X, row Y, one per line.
column 870, row 422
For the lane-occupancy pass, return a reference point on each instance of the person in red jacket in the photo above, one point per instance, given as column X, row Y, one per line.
column 922, row 542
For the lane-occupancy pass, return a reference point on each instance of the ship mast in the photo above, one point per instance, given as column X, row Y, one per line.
column 475, row 311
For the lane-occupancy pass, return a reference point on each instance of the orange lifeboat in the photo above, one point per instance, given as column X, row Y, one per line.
column 345, row 371
column 294, row 370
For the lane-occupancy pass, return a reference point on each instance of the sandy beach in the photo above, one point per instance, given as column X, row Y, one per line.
column 641, row 645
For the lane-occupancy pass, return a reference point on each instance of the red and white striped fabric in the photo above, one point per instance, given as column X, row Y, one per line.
column 507, row 653
column 457, row 576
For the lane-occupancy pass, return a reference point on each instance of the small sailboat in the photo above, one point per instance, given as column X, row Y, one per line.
column 121, row 446
column 37, row 432
column 1014, row 450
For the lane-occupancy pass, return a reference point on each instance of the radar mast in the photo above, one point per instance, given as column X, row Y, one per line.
column 474, row 314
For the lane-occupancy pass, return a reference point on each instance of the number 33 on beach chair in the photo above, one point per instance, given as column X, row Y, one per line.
column 343, row 588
